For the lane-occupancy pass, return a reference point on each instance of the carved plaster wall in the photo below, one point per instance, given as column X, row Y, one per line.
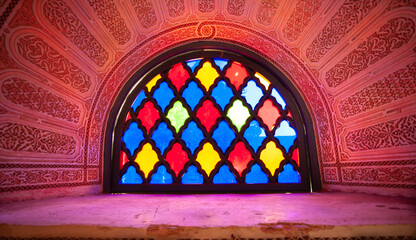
column 62, row 63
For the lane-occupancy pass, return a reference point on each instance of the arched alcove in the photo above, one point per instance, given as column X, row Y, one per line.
column 296, row 115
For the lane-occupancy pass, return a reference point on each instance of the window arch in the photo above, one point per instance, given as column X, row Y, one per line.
column 208, row 121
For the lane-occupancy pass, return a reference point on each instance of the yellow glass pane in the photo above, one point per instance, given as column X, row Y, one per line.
column 208, row 158
column 263, row 80
column 207, row 75
column 146, row 159
column 271, row 156
column 152, row 83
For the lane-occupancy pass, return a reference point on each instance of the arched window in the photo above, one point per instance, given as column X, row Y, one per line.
column 214, row 121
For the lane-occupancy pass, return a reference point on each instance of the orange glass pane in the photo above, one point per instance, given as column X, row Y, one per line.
column 240, row 157
column 271, row 156
column 178, row 75
column 123, row 159
column 208, row 158
column 295, row 155
column 269, row 113
column 146, row 158
column 208, row 114
column 236, row 73
column 176, row 158
column 148, row 115
column 207, row 75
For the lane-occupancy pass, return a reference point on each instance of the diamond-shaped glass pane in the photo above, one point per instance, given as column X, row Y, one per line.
column 163, row 95
column 146, row 158
column 236, row 73
column 222, row 94
column 131, row 177
column 162, row 136
column 256, row 175
column 192, row 64
column 139, row 100
column 223, row 135
column 240, row 157
column 288, row 175
column 269, row 113
column 238, row 114
column 255, row 135
column 178, row 75
column 271, row 156
column 177, row 115
column 192, row 176
column 132, row 137
column 286, row 135
column 192, row 94
column 208, row 158
column 220, row 62
column 252, row 93
column 161, row 176
column 207, row 75
column 192, row 136
column 176, row 158
column 207, row 114
column 224, row 176
column 148, row 115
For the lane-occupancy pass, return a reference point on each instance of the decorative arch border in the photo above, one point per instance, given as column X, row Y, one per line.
column 277, row 54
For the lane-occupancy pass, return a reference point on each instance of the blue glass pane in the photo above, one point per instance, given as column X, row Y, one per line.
column 161, row 176
column 192, row 176
column 132, row 137
column 224, row 176
column 255, row 135
column 285, row 134
column 222, row 94
column 163, row 95
column 278, row 98
column 192, row 94
column 256, row 175
column 131, row 177
column 139, row 100
column 220, row 62
column 192, row 136
column 162, row 136
column 224, row 135
column 288, row 175
column 193, row 64
column 252, row 93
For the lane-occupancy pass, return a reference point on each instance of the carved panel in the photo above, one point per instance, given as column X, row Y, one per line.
column 5, row 61
column 23, row 138
column 25, row 16
column 331, row 174
column 397, row 85
column 25, row 94
column 375, row 174
column 108, row 13
column 235, row 7
column 176, row 8
column 391, row 36
column 206, row 6
column 400, row 3
column 304, row 11
column 22, row 176
column 344, row 20
column 60, row 15
column 145, row 12
column 39, row 53
column 266, row 12
column 93, row 175
column 399, row 132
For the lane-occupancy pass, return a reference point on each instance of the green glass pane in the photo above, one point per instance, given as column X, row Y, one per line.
column 177, row 115
column 238, row 114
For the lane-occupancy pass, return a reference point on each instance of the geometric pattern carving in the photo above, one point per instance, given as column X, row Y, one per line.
column 400, row 3
column 176, row 8
column 145, row 12
column 23, row 138
column 25, row 16
column 5, row 60
column 399, row 132
column 206, row 6
column 38, row 52
column 392, row 35
column 60, row 15
column 300, row 18
column 397, row 85
column 108, row 13
column 331, row 174
column 25, row 94
column 374, row 174
column 266, row 13
column 344, row 20
column 236, row 7
column 21, row 177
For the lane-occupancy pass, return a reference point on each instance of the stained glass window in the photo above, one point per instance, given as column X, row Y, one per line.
column 210, row 121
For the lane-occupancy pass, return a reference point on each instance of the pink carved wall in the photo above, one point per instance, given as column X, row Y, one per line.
column 62, row 63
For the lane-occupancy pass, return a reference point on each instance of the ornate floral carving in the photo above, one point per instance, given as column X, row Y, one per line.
column 25, row 16
column 400, row 3
column 235, row 7
column 344, row 20
column 206, row 6
column 387, row 174
column 397, row 85
column 175, row 8
column 5, row 60
column 108, row 13
column 399, row 132
column 145, row 12
column 25, row 94
column 21, row 177
column 266, row 12
column 23, row 138
column 39, row 53
column 300, row 18
column 60, row 15
column 331, row 174
column 391, row 36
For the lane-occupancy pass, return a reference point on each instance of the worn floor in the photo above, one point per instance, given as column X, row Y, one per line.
column 229, row 216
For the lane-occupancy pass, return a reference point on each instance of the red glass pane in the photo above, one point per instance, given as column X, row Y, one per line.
column 295, row 155
column 176, row 158
column 123, row 159
column 148, row 115
column 128, row 117
column 269, row 113
column 236, row 73
column 240, row 157
column 178, row 75
column 207, row 114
